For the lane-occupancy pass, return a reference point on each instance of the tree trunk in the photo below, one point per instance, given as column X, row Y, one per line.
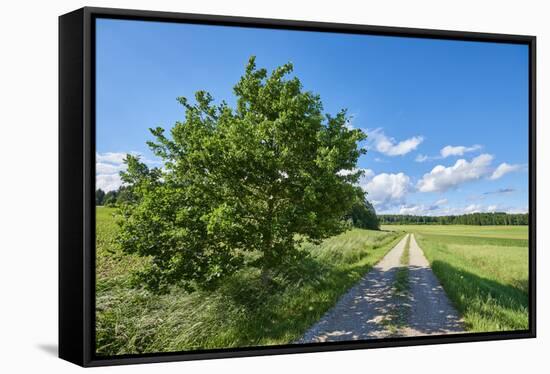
column 268, row 248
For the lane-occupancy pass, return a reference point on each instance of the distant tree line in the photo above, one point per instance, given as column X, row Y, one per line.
column 362, row 215
column 496, row 218
column 112, row 198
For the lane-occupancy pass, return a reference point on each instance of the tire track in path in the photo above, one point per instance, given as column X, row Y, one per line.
column 431, row 310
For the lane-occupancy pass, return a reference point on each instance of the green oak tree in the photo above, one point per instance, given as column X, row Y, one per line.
column 99, row 196
column 362, row 214
column 110, row 199
column 240, row 187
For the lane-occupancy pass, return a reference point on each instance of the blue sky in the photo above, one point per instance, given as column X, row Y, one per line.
column 447, row 120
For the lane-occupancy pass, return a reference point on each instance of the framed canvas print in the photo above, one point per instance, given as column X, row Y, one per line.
column 236, row 186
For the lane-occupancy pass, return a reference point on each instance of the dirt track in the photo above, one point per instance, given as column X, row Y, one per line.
column 431, row 310
column 360, row 313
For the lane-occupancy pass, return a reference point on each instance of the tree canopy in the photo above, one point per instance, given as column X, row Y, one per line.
column 99, row 196
column 112, row 198
column 240, row 186
column 362, row 213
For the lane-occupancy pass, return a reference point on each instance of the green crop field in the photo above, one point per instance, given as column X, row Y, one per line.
column 503, row 232
column 243, row 312
column 483, row 269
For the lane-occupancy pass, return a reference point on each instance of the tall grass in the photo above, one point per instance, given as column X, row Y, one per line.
column 243, row 312
column 486, row 278
column 477, row 232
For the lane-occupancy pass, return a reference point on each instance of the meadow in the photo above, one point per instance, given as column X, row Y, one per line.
column 483, row 269
column 242, row 312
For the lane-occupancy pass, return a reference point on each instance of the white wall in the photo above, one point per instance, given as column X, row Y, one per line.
column 28, row 183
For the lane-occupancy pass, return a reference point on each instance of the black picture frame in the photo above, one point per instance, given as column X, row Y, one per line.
column 77, row 183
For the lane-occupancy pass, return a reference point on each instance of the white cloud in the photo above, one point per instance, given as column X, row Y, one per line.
column 438, row 209
column 459, row 150
column 421, row 158
column 448, row 151
column 412, row 209
column 441, row 202
column 503, row 169
column 385, row 189
column 108, row 167
column 418, row 210
column 346, row 172
column 107, row 182
column 424, row 210
column 516, row 210
column 473, row 208
column 442, row 178
column 389, row 146
column 500, row 191
column 104, row 168
column 494, row 208
column 367, row 173
column 110, row 157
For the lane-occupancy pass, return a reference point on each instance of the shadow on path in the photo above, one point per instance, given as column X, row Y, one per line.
column 360, row 313
column 431, row 310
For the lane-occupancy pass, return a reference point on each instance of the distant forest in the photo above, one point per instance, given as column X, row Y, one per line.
column 465, row 219
column 112, row 198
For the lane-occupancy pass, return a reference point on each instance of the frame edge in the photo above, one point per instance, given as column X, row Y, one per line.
column 71, row 254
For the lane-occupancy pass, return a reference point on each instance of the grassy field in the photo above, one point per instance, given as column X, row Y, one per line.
column 500, row 232
column 241, row 313
column 483, row 269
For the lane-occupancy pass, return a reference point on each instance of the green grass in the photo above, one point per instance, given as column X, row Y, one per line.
column 402, row 277
column 501, row 232
column 483, row 269
column 241, row 313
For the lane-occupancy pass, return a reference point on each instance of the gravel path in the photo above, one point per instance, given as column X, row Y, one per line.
column 358, row 315
column 431, row 310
